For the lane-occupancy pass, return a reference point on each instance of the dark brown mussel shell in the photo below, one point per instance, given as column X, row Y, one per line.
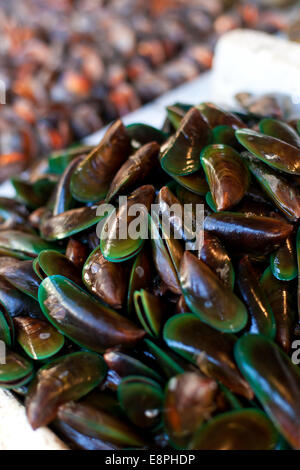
column 134, row 171
column 99, row 424
column 226, row 173
column 16, row 371
column 248, row 234
column 276, row 153
column 82, row 318
column 275, row 381
column 141, row 399
column 217, row 259
column 52, row 262
column 141, row 134
column 180, row 154
column 114, row 246
column 105, row 279
column 15, row 302
column 76, row 252
column 208, row 298
column 64, row 379
column 91, row 180
column 70, row 222
column 281, row 130
column 208, row 348
column 190, row 399
column 122, row 365
column 20, row 274
column 261, row 318
column 37, row 337
column 247, row 429
column 217, row 116
column 280, row 295
column 279, row 189
column 196, row 182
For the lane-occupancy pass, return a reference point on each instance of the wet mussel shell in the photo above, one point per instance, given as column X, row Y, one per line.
column 82, row 318
column 60, row 381
column 16, row 371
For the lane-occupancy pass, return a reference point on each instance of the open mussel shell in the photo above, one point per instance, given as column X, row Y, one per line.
column 142, row 134
column 6, row 329
column 115, row 245
column 140, row 276
column 134, row 171
column 214, row 255
column 180, row 154
column 91, row 179
column 20, row 274
column 82, row 318
column 280, row 295
column 37, row 337
column 284, row 260
column 52, row 262
column 123, row 365
column 275, row 381
column 208, row 348
column 261, row 318
column 208, row 298
column 281, row 130
column 99, row 424
column 105, row 279
column 141, row 400
column 16, row 371
column 274, row 152
column 247, row 429
column 22, row 245
column 190, row 399
column 248, row 234
column 70, row 222
column 226, row 173
column 59, row 160
column 217, row 116
column 277, row 186
column 64, row 379
column 150, row 310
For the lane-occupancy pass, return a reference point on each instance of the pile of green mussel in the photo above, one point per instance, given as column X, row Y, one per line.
column 142, row 344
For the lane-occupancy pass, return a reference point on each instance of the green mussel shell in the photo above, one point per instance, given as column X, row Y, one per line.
column 82, row 318
column 91, row 180
column 22, row 245
column 37, row 337
column 226, row 173
column 58, row 161
column 207, row 297
column 20, row 274
column 217, row 116
column 64, row 379
column 276, row 153
column 150, row 311
column 142, row 401
column 284, row 260
column 114, row 246
column 217, row 259
column 180, row 154
column 208, row 348
column 52, row 262
column 281, row 130
column 275, row 381
column 247, row 429
column 16, row 371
